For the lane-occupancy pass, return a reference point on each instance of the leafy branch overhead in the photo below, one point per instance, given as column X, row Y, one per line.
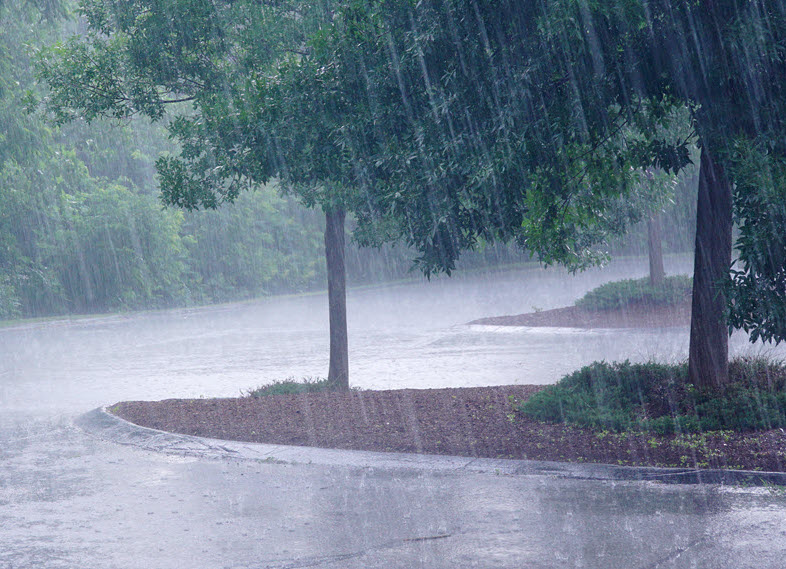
column 481, row 131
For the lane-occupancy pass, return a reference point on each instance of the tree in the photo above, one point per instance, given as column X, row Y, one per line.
column 656, row 189
column 510, row 120
column 464, row 155
column 229, row 72
column 722, row 59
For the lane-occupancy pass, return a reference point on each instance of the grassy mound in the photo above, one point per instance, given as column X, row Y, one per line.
column 656, row 397
column 618, row 294
column 290, row 386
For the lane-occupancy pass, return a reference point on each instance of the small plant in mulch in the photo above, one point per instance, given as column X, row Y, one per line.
column 675, row 290
column 291, row 386
column 656, row 398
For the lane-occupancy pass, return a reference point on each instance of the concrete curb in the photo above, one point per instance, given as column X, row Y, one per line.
column 108, row 427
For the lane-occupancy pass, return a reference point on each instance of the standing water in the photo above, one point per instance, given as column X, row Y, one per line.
column 411, row 335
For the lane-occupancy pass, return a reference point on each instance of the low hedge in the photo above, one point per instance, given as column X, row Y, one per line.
column 657, row 397
column 618, row 294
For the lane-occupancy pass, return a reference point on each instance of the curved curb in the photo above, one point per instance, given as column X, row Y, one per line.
column 108, row 427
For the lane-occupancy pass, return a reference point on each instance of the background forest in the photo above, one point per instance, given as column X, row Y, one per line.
column 83, row 229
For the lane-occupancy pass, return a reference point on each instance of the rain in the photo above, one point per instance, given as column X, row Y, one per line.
column 200, row 199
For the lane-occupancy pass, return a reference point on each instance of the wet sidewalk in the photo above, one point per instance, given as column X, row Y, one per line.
column 71, row 500
column 103, row 425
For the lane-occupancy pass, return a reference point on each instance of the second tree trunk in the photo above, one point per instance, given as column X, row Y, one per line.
column 708, row 360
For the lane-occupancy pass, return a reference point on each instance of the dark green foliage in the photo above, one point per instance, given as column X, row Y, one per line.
column 614, row 295
column 758, row 276
column 528, row 121
column 608, row 396
column 291, row 386
column 479, row 131
column 657, row 397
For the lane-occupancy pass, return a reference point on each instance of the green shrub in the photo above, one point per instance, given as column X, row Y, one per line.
column 657, row 397
column 617, row 294
column 291, row 385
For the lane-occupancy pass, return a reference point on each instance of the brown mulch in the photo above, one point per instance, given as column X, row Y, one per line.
column 475, row 421
column 632, row 316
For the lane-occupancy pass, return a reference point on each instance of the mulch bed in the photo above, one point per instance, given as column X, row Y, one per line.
column 632, row 316
column 476, row 421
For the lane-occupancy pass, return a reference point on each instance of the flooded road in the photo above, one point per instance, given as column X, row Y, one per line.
column 406, row 335
column 70, row 501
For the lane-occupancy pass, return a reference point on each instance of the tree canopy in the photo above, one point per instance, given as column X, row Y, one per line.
column 528, row 120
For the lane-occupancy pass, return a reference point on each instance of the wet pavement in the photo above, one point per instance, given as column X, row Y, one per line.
column 71, row 499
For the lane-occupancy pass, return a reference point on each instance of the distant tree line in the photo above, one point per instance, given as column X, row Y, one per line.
column 83, row 229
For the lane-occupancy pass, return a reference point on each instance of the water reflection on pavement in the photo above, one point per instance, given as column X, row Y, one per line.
column 71, row 501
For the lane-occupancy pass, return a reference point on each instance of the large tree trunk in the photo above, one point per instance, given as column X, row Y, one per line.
column 708, row 360
column 655, row 249
column 338, row 372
